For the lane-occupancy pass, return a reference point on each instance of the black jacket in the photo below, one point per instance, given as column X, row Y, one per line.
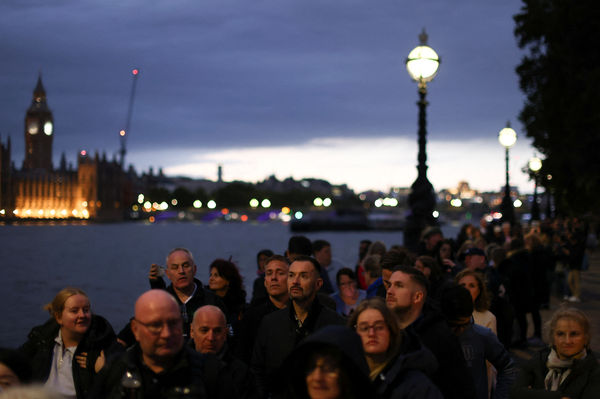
column 39, row 350
column 582, row 383
column 452, row 377
column 279, row 334
column 249, row 328
column 408, row 375
column 186, row 375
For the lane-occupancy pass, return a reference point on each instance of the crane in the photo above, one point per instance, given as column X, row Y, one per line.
column 134, row 73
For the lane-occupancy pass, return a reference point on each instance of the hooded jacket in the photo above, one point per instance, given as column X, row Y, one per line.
column 39, row 349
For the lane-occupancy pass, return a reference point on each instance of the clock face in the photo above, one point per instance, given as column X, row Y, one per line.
column 48, row 128
column 32, row 128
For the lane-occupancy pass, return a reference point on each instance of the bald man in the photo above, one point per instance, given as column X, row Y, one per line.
column 159, row 365
column 209, row 333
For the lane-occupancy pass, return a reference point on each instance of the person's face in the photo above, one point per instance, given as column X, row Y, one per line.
column 209, row 331
column 445, row 251
column 431, row 241
column 262, row 259
column 470, row 283
column 569, row 338
column 373, row 332
column 180, row 270
column 401, row 295
column 76, row 317
column 7, row 377
column 276, row 276
column 420, row 266
column 323, row 379
column 347, row 286
column 303, row 281
column 385, row 276
column 159, row 330
column 216, row 282
column 475, row 262
column 324, row 256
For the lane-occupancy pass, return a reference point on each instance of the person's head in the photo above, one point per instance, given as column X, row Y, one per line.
column 429, row 267
column 328, row 364
column 392, row 259
column 181, row 269
column 533, row 241
column 276, row 275
column 298, row 245
column 261, row 258
column 377, row 248
column 408, row 290
column 346, row 282
column 498, row 256
column 474, row 282
column 474, row 259
column 304, row 279
column 209, row 329
column 157, row 327
column 14, row 368
column 71, row 310
column 35, row 391
column 457, row 306
column 431, row 236
column 569, row 332
column 363, row 247
column 371, row 264
column 378, row 328
column 322, row 252
column 225, row 277
column 444, row 250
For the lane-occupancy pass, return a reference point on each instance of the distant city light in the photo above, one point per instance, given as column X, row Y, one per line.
column 456, row 202
column 140, row 198
column 151, row 219
column 435, row 214
column 265, row 203
column 518, row 203
column 83, row 153
column 327, row 202
column 390, row 201
column 211, row 204
column 244, row 218
column 122, row 133
column 298, row 215
column 163, row 206
column 224, row 211
column 378, row 202
column 285, row 210
column 254, row 203
column 135, row 71
column 174, row 202
column 318, row 201
column 497, row 215
column 489, row 218
column 147, row 205
column 285, row 218
column 197, row 204
column 362, row 197
column 84, row 204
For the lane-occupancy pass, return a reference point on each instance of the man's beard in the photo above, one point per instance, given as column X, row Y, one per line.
column 401, row 311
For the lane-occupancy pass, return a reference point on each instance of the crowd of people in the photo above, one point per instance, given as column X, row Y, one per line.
column 438, row 322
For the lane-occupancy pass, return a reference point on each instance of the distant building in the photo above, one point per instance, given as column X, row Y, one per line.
column 97, row 189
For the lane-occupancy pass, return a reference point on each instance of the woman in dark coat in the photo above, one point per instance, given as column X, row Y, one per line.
column 399, row 365
column 73, row 335
column 568, row 368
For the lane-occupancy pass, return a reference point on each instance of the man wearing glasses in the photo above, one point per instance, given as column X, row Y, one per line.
column 159, row 365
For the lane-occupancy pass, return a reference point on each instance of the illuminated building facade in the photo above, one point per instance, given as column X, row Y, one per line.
column 97, row 189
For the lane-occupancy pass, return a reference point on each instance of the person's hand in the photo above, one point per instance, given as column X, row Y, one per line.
column 155, row 272
column 448, row 262
column 100, row 362
column 81, row 359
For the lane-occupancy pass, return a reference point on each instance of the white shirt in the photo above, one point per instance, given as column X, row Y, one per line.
column 61, row 369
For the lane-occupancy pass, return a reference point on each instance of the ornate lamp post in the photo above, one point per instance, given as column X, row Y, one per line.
column 422, row 65
column 535, row 164
column 507, row 137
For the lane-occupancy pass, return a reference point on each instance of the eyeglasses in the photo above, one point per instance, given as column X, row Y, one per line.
column 363, row 328
column 156, row 327
column 325, row 368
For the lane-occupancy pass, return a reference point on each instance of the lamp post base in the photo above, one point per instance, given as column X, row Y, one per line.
column 422, row 204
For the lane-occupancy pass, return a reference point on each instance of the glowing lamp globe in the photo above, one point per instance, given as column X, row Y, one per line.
column 507, row 137
column 422, row 64
column 535, row 164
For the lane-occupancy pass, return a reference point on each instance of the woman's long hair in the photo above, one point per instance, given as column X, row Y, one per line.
column 483, row 300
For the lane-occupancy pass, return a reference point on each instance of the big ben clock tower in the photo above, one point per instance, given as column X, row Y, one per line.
column 39, row 130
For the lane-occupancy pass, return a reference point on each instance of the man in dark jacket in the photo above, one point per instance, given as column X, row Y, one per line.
column 407, row 296
column 159, row 365
column 281, row 331
column 188, row 291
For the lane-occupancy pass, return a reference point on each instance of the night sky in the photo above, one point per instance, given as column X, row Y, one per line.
column 302, row 88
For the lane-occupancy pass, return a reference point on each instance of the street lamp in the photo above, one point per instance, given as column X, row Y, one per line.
column 535, row 164
column 422, row 65
column 507, row 137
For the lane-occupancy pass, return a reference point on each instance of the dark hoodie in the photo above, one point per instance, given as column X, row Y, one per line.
column 39, row 349
column 353, row 366
column 407, row 376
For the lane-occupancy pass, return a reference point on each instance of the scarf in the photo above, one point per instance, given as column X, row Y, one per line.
column 559, row 369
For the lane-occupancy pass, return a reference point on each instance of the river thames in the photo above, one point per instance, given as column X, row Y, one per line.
column 111, row 261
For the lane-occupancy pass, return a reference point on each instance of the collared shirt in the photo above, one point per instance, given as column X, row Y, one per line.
column 61, row 370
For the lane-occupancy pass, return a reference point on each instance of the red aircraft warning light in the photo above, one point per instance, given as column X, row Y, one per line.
column 135, row 71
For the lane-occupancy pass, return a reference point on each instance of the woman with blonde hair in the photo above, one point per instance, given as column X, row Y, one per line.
column 69, row 349
column 399, row 365
column 475, row 283
column 566, row 369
